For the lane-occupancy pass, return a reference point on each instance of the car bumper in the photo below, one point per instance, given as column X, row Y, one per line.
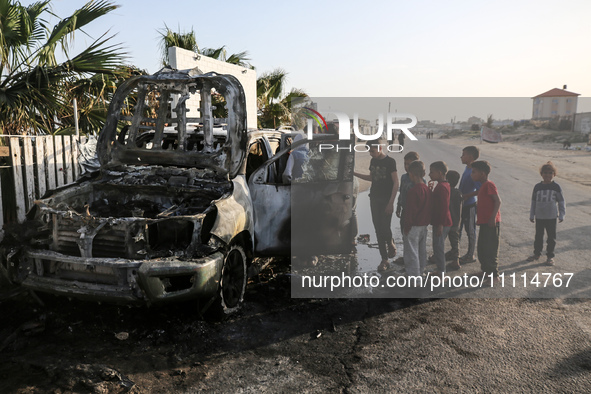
column 121, row 280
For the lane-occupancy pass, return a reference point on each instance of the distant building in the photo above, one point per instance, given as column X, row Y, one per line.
column 554, row 103
column 504, row 122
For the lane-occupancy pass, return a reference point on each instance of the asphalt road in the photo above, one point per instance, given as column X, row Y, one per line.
column 512, row 340
column 515, row 182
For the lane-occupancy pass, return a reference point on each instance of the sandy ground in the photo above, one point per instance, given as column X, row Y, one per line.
column 573, row 165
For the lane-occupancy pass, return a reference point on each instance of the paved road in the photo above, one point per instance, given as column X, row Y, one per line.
column 444, row 345
column 515, row 182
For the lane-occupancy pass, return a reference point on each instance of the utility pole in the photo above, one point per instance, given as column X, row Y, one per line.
column 389, row 106
column 76, row 120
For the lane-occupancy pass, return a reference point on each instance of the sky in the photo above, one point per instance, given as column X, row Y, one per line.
column 418, row 48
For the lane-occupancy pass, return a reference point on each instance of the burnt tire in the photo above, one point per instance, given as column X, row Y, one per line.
column 232, row 284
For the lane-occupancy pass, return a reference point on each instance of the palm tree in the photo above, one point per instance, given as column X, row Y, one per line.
column 171, row 39
column 274, row 109
column 36, row 90
column 270, row 87
column 188, row 41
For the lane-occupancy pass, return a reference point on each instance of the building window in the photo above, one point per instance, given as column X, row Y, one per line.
column 554, row 112
column 568, row 100
column 554, row 101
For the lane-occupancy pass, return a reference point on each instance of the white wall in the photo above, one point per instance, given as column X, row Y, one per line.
column 182, row 59
column 583, row 123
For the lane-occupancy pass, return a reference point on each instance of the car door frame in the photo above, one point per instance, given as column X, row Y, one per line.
column 272, row 207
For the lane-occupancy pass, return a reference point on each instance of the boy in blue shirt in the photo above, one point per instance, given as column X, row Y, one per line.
column 469, row 189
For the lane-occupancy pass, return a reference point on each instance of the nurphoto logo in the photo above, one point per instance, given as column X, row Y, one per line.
column 345, row 129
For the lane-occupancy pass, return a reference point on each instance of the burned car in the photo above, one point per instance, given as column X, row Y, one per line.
column 179, row 207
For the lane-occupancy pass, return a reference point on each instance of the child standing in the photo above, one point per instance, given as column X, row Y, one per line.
column 417, row 215
column 488, row 218
column 384, row 186
column 405, row 185
column 469, row 189
column 455, row 209
column 440, row 215
column 547, row 204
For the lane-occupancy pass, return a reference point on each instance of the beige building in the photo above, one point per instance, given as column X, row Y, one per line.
column 553, row 103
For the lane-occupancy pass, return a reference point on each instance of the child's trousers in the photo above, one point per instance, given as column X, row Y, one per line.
column 549, row 225
column 415, row 251
column 488, row 248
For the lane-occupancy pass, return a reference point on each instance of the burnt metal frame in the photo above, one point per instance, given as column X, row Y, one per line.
column 227, row 160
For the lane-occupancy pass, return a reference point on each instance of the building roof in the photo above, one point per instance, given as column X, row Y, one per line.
column 557, row 93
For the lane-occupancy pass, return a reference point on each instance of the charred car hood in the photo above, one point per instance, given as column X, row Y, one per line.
column 135, row 212
column 142, row 130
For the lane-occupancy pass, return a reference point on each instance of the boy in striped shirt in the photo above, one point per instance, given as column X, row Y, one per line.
column 547, row 204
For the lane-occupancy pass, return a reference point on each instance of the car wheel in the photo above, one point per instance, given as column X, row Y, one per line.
column 232, row 283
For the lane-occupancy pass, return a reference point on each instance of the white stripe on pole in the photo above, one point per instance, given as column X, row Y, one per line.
column 76, row 120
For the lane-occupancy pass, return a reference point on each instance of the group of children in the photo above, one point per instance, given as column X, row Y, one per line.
column 449, row 210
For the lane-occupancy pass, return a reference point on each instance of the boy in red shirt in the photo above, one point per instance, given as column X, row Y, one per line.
column 417, row 215
column 488, row 217
column 440, row 215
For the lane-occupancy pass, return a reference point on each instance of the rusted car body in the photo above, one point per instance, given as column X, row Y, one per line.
column 177, row 210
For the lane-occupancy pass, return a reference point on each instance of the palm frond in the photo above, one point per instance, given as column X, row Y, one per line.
column 215, row 53
column 171, row 39
column 35, row 91
column 239, row 59
column 294, row 94
column 20, row 28
column 274, row 109
column 97, row 58
column 62, row 32
column 271, row 84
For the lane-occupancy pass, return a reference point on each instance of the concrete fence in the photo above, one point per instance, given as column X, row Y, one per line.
column 582, row 123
